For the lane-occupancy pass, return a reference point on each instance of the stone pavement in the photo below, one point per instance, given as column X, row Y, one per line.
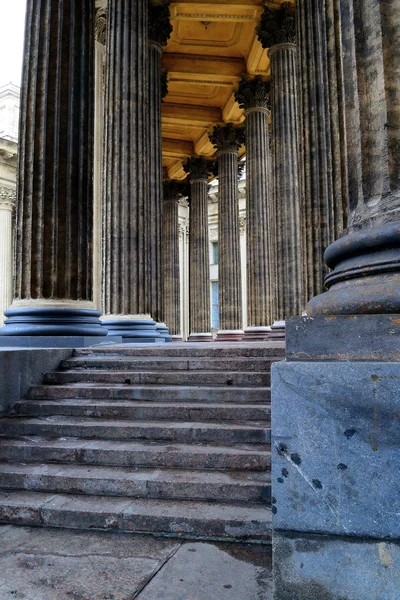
column 47, row 564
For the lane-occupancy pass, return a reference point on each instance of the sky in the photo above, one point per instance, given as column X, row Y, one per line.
column 12, row 25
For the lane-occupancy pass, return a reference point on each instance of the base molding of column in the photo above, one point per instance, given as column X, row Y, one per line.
column 133, row 331
column 48, row 322
column 164, row 332
column 278, row 331
column 200, row 337
column 257, row 334
column 229, row 335
column 177, row 338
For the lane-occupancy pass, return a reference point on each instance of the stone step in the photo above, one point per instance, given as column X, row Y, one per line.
column 215, row 378
column 188, row 432
column 182, row 518
column 251, row 457
column 134, row 363
column 169, row 484
column 140, row 411
column 186, row 350
column 153, row 393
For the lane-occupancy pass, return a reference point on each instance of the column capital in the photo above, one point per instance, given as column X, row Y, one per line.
column 8, row 198
column 277, row 26
column 227, row 138
column 174, row 190
column 253, row 93
column 160, row 27
column 198, row 167
column 100, row 27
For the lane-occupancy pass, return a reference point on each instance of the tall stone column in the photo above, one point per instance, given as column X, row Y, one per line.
column 7, row 206
column 126, row 174
column 254, row 96
column 53, row 277
column 228, row 139
column 322, row 169
column 277, row 32
column 199, row 169
column 171, row 264
column 159, row 32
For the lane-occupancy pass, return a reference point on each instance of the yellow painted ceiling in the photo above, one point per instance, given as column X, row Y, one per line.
column 211, row 45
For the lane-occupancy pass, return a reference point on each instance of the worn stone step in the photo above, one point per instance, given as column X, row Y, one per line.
column 189, row 432
column 250, row 457
column 207, row 350
column 182, row 518
column 140, row 411
column 167, row 363
column 153, row 393
column 236, row 378
column 171, row 484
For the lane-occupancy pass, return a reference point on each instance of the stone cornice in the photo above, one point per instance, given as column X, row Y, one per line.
column 277, row 26
column 227, row 138
column 253, row 93
column 8, row 197
column 198, row 167
column 101, row 26
column 160, row 27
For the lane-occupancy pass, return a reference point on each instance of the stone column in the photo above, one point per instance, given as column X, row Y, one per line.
column 254, row 96
column 228, row 139
column 322, row 168
column 126, row 174
column 365, row 276
column 277, row 32
column 172, row 294
column 7, row 206
column 53, row 277
column 159, row 32
column 199, row 169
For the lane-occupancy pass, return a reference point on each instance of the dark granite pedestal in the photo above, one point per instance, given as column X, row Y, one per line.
column 336, row 466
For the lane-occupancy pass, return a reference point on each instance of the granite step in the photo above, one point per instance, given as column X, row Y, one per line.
column 215, row 378
column 169, row 484
column 190, row 432
column 250, row 457
column 141, row 411
column 186, row 519
column 153, row 393
column 135, row 363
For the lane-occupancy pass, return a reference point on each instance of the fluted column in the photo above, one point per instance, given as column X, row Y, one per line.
column 199, row 169
column 365, row 276
column 172, row 294
column 126, row 173
column 322, row 168
column 7, row 206
column 228, row 139
column 277, row 32
column 254, row 96
column 159, row 32
column 53, row 277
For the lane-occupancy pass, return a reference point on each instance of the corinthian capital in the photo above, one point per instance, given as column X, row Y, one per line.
column 277, row 26
column 8, row 197
column 101, row 26
column 174, row 190
column 160, row 27
column 227, row 138
column 253, row 92
column 198, row 167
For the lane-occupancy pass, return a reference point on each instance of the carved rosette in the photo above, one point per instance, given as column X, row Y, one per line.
column 8, row 198
column 160, row 27
column 277, row 26
column 253, row 93
column 101, row 26
column 227, row 138
column 198, row 167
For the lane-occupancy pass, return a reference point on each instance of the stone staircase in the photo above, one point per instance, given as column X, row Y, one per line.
column 169, row 440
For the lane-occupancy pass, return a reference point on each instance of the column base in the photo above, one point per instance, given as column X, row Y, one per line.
column 257, row 334
column 278, row 332
column 164, row 332
column 177, row 338
column 200, row 337
column 133, row 331
column 69, row 341
column 49, row 322
column 227, row 335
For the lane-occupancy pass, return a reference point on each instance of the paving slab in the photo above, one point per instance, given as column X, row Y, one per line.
column 47, row 564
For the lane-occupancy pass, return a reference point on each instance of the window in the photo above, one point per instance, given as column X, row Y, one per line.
column 214, row 305
column 214, row 253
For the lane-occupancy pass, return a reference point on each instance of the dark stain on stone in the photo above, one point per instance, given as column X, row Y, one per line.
column 229, row 382
column 317, row 484
column 273, row 500
column 280, row 480
column 342, row 467
column 350, row 432
column 228, row 587
column 374, row 377
column 282, row 449
column 295, row 458
column 285, row 473
column 308, row 546
column 274, row 510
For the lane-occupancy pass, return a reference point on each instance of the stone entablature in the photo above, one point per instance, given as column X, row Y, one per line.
column 9, row 112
